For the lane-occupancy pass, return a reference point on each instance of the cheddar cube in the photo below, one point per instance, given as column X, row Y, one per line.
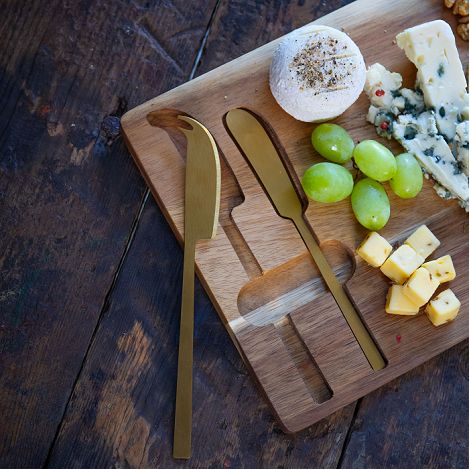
column 442, row 268
column 398, row 303
column 423, row 241
column 401, row 264
column 374, row 250
column 420, row 286
column 443, row 308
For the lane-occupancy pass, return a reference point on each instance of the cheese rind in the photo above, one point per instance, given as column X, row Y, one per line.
column 443, row 308
column 374, row 250
column 431, row 47
column 423, row 241
column 401, row 264
column 398, row 303
column 317, row 72
column 420, row 286
column 442, row 268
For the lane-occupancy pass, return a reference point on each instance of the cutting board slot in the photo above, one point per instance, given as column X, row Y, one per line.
column 280, row 291
column 167, row 120
column 330, row 341
column 232, row 197
column 283, row 154
column 231, row 193
column 303, row 360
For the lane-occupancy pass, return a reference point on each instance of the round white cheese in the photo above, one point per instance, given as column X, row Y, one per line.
column 317, row 73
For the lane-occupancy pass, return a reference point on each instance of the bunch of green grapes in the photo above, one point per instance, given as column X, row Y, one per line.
column 331, row 182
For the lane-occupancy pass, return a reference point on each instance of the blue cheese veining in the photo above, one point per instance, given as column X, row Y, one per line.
column 461, row 145
column 431, row 47
column 419, row 136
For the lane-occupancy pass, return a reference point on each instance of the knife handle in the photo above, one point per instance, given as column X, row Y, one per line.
column 184, row 383
column 358, row 328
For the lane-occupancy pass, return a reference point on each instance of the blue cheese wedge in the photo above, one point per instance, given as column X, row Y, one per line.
column 431, row 47
column 388, row 100
column 419, row 136
column 461, row 145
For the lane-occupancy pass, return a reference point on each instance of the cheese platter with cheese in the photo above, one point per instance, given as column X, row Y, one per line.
column 340, row 256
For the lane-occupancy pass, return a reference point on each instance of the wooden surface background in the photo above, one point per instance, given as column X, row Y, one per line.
column 90, row 271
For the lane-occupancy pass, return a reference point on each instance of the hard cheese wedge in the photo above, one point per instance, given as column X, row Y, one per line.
column 398, row 303
column 431, row 47
column 420, row 286
column 443, row 308
column 423, row 241
column 401, row 264
column 374, row 250
column 442, row 268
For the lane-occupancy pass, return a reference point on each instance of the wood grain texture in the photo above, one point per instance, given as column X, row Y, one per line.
column 421, row 434
column 273, row 242
column 121, row 415
column 69, row 192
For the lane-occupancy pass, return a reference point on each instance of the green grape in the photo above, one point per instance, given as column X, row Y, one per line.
column 327, row 182
column 408, row 179
column 370, row 204
column 333, row 142
column 375, row 160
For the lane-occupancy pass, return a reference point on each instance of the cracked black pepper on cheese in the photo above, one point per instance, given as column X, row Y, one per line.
column 317, row 73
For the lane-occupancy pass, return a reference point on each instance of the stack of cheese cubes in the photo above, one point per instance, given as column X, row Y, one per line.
column 415, row 281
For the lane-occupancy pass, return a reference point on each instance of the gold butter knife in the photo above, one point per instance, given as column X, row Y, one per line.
column 258, row 148
column 201, row 211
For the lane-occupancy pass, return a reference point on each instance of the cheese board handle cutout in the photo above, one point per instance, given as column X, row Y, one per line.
column 258, row 146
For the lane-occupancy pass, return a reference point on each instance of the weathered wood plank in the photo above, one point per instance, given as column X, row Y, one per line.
column 242, row 26
column 121, row 413
column 69, row 192
column 419, row 420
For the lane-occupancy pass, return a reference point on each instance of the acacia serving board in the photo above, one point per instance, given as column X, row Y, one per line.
column 257, row 271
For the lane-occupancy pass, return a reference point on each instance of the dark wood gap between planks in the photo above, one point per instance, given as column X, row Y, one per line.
column 127, row 247
column 103, row 310
column 347, row 439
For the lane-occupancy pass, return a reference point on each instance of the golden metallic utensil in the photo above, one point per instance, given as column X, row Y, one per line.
column 201, row 211
column 264, row 158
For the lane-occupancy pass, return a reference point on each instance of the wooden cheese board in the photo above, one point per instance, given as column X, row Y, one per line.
column 257, row 272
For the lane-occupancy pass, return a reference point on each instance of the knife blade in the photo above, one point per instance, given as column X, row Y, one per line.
column 259, row 150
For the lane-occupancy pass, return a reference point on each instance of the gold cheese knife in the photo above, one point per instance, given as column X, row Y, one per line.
column 201, row 211
column 258, row 148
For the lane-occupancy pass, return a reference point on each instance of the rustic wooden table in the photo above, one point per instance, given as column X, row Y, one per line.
column 91, row 273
